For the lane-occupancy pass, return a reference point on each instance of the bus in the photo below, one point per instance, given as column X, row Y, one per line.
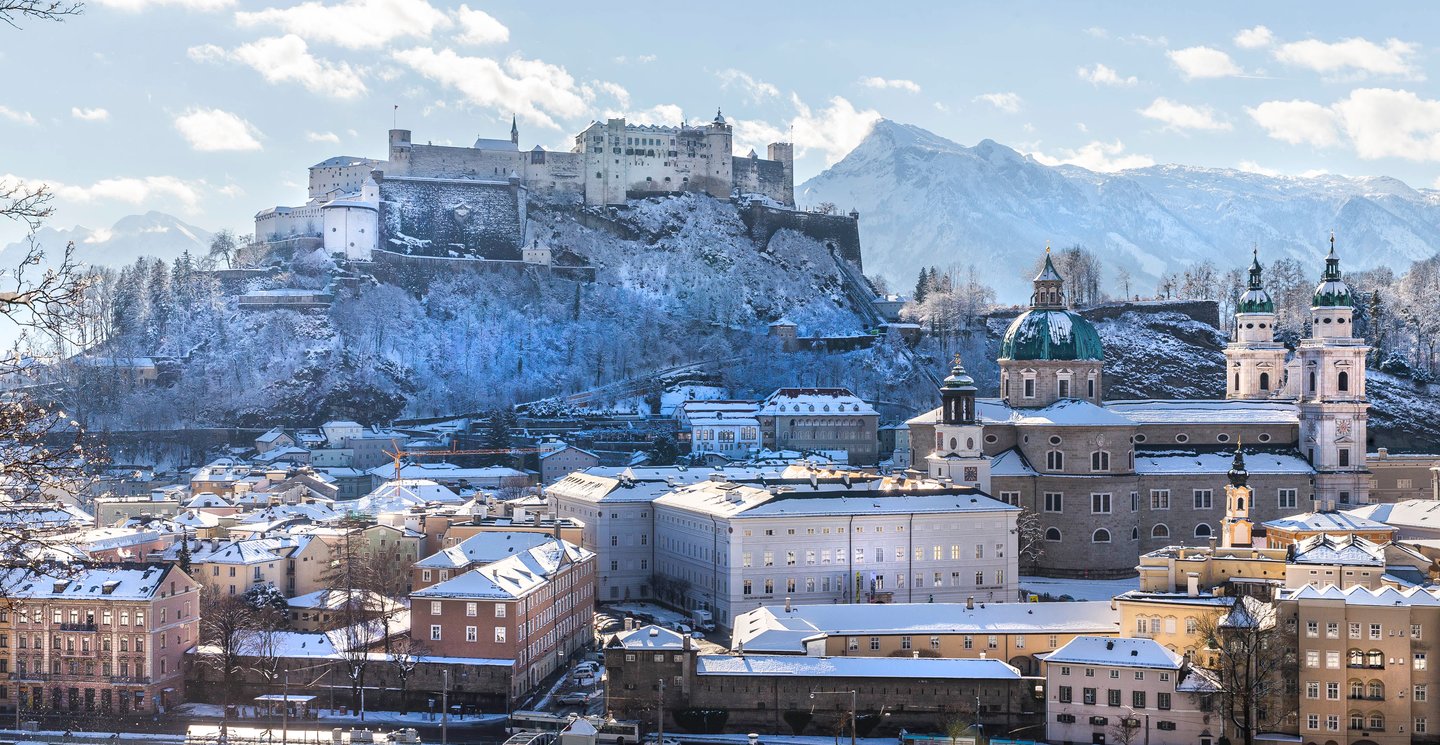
column 611, row 731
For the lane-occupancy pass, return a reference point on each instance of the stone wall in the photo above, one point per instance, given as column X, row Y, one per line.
column 760, row 176
column 841, row 231
column 484, row 218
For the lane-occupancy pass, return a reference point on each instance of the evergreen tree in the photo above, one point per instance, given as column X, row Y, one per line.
column 922, row 287
column 183, row 559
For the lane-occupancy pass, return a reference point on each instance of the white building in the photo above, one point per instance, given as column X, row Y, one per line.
column 1107, row 689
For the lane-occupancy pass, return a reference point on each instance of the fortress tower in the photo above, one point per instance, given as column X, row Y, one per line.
column 1254, row 361
column 1333, row 407
column 784, row 153
column 400, row 149
column 720, row 142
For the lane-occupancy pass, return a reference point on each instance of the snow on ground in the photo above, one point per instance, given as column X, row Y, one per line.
column 215, row 711
column 782, row 739
column 1079, row 589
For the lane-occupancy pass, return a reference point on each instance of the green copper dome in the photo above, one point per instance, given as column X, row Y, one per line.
column 1332, row 292
column 1255, row 299
column 1044, row 334
column 958, row 380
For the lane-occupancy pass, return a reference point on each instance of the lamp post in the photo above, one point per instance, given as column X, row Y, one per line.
column 853, row 702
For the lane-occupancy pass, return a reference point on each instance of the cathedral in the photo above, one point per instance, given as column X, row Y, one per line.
column 1110, row 480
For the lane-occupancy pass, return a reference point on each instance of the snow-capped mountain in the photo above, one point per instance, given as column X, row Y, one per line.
column 925, row 200
column 153, row 234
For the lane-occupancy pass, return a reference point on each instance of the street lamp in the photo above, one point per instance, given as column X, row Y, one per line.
column 853, row 694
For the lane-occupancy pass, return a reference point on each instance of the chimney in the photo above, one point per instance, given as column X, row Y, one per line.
column 915, row 654
column 970, row 602
column 787, row 604
column 1192, row 584
column 982, row 654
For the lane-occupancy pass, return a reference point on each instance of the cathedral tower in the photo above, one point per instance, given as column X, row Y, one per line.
column 1333, row 407
column 1254, row 361
column 1049, row 352
column 1236, row 529
column 958, row 454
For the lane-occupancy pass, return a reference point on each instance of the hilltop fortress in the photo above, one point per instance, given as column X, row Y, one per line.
column 446, row 199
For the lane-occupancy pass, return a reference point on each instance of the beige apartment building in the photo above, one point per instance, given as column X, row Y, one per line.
column 1367, row 668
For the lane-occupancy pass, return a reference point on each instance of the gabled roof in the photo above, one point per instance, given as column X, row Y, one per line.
column 1327, row 521
column 1115, row 652
column 648, row 637
column 1348, row 549
column 483, row 548
column 1359, row 595
column 512, row 577
column 908, row 668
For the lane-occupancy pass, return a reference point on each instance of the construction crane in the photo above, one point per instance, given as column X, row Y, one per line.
column 397, row 455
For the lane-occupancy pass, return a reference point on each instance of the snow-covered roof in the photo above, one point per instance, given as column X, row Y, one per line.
column 89, row 583
column 483, row 548
column 929, row 668
column 1360, row 595
column 272, row 435
column 512, row 577
column 1216, row 411
column 1348, row 549
column 207, row 499
column 1172, row 461
column 568, row 449
column 649, row 637
column 1115, row 652
column 333, row 599
column 446, row 472
column 400, row 496
column 1409, row 513
column 774, row 629
column 814, row 402
column 1326, row 521
column 1011, row 463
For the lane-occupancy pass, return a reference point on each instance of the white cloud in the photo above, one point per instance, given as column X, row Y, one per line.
column 614, row 90
column 287, row 59
column 1356, row 56
column 757, row 90
column 480, row 28
column 661, row 115
column 909, row 86
column 1103, row 75
column 1297, row 122
column 229, row 190
column 1007, row 102
column 329, row 137
column 1179, row 117
column 354, row 24
column 536, row 91
column 643, row 59
column 213, row 130
column 1250, row 166
column 1096, row 156
column 135, row 6
column 127, row 190
column 19, row 117
column 834, row 130
column 89, row 115
column 1254, row 38
column 206, row 53
column 1375, row 122
column 1204, row 62
column 1386, row 123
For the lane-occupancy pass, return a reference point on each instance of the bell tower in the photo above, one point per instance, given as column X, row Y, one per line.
column 1333, row 408
column 959, row 455
column 1236, row 530
column 1254, row 361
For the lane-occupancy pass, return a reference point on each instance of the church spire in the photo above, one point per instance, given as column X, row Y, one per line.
column 514, row 130
column 1049, row 286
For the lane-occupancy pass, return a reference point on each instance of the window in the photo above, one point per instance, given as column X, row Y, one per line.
column 471, row 634
column 874, row 643
column 1312, row 690
column 435, row 632
column 1162, row 701
column 1160, row 499
column 1088, row 696
column 1160, row 531
column 1312, row 658
column 852, row 643
column 1375, row 631
column 1100, row 461
column 749, row 588
column 1344, row 381
column 1419, row 660
column 1137, row 699
column 1100, row 536
column 1112, row 697
column 1066, row 694
column 1099, row 504
column 1054, row 502
column 1052, row 534
column 1422, row 692
column 934, row 642
column 1204, row 499
column 500, row 634
column 499, row 610
column 1029, row 388
column 1054, row 460
column 1414, row 631
column 472, row 609
column 1287, row 499
column 1421, row 726
column 1332, row 691
column 434, row 607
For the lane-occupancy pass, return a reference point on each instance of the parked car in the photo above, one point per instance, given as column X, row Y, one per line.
column 579, row 698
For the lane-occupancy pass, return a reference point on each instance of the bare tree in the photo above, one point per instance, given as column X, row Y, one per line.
column 1253, row 655
column 224, row 623
column 1030, row 535
column 1125, row 730
column 405, row 656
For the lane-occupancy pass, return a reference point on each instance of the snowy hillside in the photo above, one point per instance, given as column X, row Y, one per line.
column 153, row 234
column 925, row 200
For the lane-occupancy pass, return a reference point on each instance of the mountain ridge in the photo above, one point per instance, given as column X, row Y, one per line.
column 153, row 234
column 926, row 200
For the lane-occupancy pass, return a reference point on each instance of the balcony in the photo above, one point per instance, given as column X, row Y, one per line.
column 78, row 626
column 130, row 679
column 77, row 653
column 1366, row 698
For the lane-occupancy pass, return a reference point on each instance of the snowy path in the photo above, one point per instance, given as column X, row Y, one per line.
column 1080, row 589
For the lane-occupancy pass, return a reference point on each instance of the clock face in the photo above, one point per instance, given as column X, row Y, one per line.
column 1342, row 427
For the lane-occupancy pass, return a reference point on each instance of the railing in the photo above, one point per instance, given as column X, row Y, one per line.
column 78, row 626
column 77, row 653
column 130, row 679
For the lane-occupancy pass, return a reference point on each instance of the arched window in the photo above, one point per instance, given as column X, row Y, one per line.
column 1090, row 388
column 1160, row 531
column 1239, row 503
column 1377, row 721
column 1357, row 658
column 1357, row 689
column 1052, row 534
column 1100, row 536
column 1264, row 381
column 1202, row 531
column 1357, row 720
column 1312, row 381
column 1134, row 534
column 1375, row 658
column 1100, row 461
column 1237, row 381
column 1055, row 460
column 1376, row 690
column 1344, row 381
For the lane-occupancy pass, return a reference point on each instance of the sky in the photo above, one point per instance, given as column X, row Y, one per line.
column 211, row 110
